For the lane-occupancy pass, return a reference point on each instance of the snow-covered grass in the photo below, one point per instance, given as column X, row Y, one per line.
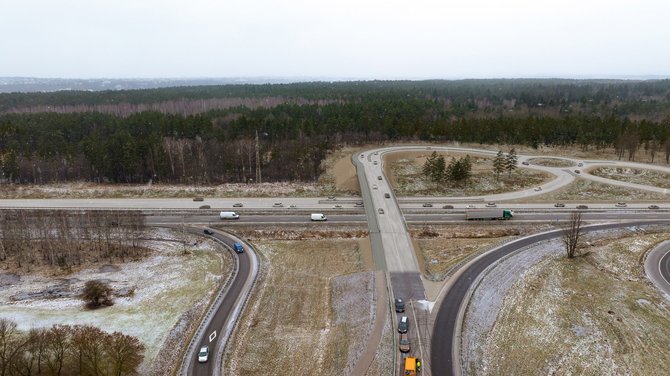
column 300, row 315
column 634, row 175
column 166, row 285
column 596, row 314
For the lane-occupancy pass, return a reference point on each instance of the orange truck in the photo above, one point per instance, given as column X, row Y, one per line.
column 410, row 366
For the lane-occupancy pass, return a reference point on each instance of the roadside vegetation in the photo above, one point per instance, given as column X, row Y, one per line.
column 311, row 311
column 593, row 314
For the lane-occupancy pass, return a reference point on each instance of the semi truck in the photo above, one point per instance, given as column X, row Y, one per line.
column 489, row 214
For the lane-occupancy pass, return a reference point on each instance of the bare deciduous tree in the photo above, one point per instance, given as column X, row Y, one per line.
column 572, row 232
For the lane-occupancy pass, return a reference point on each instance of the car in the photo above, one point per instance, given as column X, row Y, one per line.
column 337, row 206
column 376, row 153
column 387, row 195
column 427, row 205
column 277, row 205
column 198, row 199
column 448, row 207
column 374, row 186
column 582, row 207
column 399, row 305
column 537, row 189
column 203, row 354
column 559, row 205
column 403, row 324
column 653, row 207
column 331, row 198
column 525, row 163
column 362, row 155
column 470, row 206
column 359, row 204
column 580, row 164
column 292, row 206
column 403, row 344
column 237, row 247
column 620, row 205
column 379, row 177
column 491, row 205
column 238, row 205
column 375, row 162
column 380, row 211
column 577, row 172
column 208, row 231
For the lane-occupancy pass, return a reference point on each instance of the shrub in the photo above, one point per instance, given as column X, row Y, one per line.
column 97, row 294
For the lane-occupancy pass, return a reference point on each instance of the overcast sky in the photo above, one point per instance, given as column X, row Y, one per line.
column 363, row 39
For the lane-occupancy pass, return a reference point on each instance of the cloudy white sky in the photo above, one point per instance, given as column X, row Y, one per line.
column 334, row 39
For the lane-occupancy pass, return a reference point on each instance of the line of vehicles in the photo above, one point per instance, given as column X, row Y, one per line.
column 411, row 364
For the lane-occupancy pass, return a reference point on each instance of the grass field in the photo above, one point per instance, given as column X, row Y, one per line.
column 633, row 175
column 594, row 315
column 310, row 312
column 405, row 169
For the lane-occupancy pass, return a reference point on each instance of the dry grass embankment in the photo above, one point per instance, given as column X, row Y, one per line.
column 440, row 248
column 405, row 174
column 310, row 311
column 595, row 315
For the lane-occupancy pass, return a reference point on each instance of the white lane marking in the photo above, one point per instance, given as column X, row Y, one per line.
column 212, row 336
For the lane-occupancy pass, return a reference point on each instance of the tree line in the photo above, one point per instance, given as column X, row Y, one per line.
column 66, row 238
column 65, row 350
column 295, row 135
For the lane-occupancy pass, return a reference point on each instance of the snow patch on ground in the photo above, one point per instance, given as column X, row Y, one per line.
column 161, row 283
column 488, row 298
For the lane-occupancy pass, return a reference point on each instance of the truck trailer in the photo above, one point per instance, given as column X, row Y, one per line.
column 489, row 214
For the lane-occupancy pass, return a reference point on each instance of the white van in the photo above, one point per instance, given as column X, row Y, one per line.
column 318, row 217
column 229, row 215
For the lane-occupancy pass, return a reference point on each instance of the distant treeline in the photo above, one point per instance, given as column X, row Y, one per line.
column 208, row 134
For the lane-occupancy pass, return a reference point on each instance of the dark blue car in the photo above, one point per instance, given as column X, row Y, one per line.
column 238, row 248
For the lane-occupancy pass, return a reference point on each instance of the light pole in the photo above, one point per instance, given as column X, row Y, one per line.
column 258, row 158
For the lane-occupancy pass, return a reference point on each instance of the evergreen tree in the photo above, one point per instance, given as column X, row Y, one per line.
column 510, row 162
column 499, row 164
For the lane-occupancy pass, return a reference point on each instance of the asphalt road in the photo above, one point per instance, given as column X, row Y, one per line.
column 444, row 338
column 548, row 215
column 213, row 333
column 657, row 266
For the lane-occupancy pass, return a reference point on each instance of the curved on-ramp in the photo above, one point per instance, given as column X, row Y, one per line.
column 445, row 348
column 657, row 267
column 218, row 324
